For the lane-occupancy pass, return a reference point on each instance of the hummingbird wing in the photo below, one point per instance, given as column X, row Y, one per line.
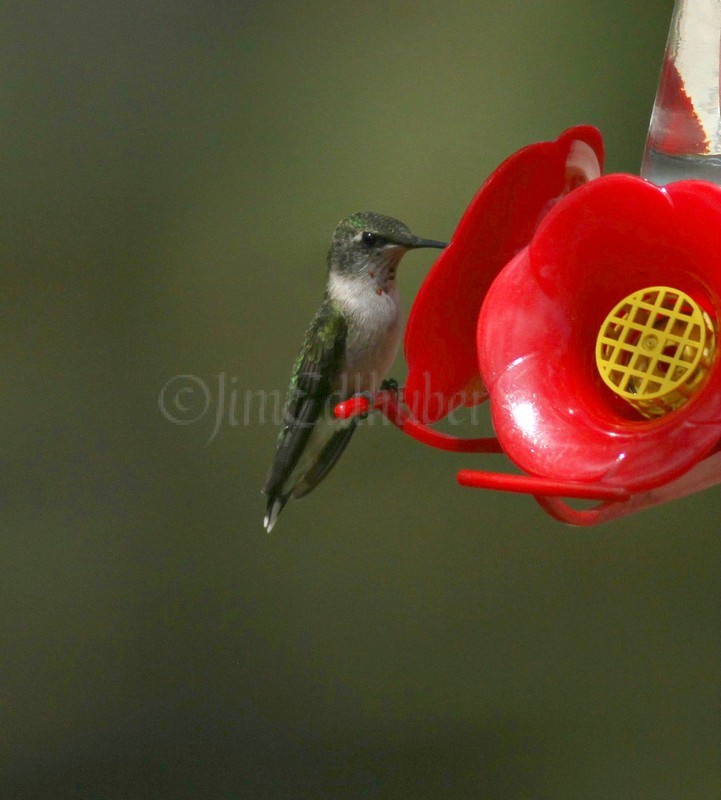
column 326, row 461
column 319, row 362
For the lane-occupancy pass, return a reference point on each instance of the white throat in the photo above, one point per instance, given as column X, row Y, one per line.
column 361, row 299
column 374, row 328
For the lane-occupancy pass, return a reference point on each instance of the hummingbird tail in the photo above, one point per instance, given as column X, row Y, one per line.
column 275, row 506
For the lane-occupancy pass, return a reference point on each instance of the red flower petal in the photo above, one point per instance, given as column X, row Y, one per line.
column 552, row 412
column 501, row 219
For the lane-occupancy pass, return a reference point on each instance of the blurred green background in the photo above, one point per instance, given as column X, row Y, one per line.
column 171, row 174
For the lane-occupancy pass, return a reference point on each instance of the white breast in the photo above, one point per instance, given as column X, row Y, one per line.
column 374, row 330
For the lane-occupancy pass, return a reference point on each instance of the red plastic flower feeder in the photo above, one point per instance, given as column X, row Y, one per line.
column 587, row 309
column 598, row 347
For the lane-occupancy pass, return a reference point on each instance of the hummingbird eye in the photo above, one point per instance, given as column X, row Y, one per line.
column 371, row 239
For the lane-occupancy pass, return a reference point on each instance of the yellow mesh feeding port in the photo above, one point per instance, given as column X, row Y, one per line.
column 655, row 348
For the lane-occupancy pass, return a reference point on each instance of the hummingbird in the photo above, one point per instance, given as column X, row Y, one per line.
column 348, row 349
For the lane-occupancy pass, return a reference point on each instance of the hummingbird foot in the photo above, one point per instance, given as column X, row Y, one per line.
column 388, row 385
column 369, row 397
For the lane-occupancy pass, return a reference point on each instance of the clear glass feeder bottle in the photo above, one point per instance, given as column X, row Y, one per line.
column 684, row 138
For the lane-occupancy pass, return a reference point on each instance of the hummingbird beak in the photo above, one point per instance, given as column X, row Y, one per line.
column 416, row 242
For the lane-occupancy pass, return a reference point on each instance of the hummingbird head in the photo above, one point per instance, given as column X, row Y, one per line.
column 370, row 245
